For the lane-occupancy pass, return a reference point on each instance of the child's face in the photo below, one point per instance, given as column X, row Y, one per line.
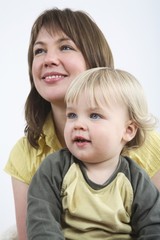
column 95, row 134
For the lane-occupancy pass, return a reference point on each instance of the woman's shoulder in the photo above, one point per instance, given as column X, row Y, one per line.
column 22, row 148
column 148, row 155
column 23, row 161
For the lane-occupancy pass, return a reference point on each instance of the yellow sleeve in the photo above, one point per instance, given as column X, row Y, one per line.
column 22, row 162
column 148, row 156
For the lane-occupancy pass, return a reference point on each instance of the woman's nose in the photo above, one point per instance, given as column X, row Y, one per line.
column 51, row 58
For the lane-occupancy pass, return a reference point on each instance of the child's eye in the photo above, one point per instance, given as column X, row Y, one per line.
column 95, row 116
column 71, row 115
column 38, row 51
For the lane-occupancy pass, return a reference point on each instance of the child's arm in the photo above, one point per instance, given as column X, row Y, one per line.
column 44, row 202
column 145, row 219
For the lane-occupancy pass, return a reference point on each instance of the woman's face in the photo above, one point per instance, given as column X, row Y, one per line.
column 56, row 62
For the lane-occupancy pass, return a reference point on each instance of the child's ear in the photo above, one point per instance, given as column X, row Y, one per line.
column 130, row 132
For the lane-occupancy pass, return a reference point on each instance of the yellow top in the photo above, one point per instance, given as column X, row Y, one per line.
column 85, row 208
column 24, row 159
column 148, row 156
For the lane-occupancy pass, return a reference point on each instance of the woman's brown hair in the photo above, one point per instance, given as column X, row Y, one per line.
column 89, row 39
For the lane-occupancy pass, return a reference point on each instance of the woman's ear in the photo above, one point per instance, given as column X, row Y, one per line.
column 130, row 132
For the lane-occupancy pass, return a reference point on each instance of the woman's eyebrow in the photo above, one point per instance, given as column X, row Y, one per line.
column 39, row 43
column 62, row 39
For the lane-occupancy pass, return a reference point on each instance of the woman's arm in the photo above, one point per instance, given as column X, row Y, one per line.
column 20, row 190
column 156, row 180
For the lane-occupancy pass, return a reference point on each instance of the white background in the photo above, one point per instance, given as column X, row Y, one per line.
column 132, row 28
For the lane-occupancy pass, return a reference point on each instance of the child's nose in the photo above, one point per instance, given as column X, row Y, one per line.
column 80, row 125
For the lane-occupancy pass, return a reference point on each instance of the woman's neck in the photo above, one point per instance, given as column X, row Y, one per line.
column 59, row 118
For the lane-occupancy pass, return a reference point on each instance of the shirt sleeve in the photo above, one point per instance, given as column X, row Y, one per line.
column 24, row 160
column 21, row 163
column 44, row 199
column 145, row 219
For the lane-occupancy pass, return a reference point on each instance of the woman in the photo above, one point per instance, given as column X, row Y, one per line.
column 63, row 44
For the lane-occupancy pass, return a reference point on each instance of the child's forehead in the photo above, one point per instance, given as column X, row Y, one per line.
column 96, row 95
column 89, row 100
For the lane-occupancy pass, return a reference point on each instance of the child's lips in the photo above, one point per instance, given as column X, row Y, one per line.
column 81, row 142
column 81, row 139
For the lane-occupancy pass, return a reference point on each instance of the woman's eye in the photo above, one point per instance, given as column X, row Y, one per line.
column 95, row 116
column 71, row 115
column 38, row 51
column 66, row 48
